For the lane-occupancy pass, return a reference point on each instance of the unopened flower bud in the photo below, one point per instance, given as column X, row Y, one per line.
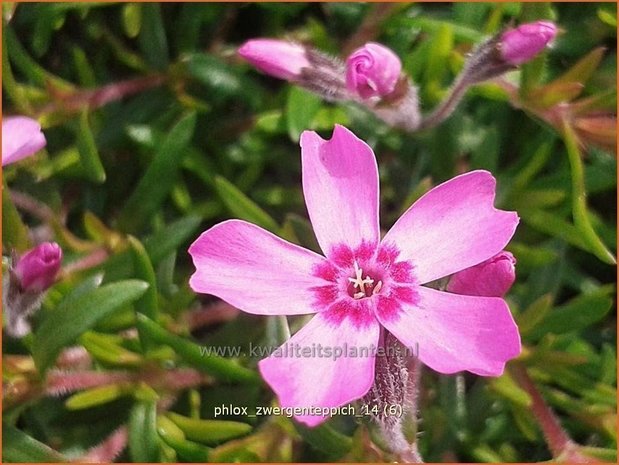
column 492, row 278
column 36, row 270
column 278, row 58
column 21, row 137
column 521, row 44
column 372, row 71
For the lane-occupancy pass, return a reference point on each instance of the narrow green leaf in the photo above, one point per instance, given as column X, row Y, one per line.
column 174, row 437
column 298, row 229
column 219, row 367
column 583, row 68
column 432, row 26
column 301, row 108
column 579, row 198
column 610, row 18
column 554, row 225
column 209, row 431
column 540, row 158
column 538, row 198
column 18, row 447
column 242, row 206
column 104, row 348
column 602, row 454
column 75, row 315
column 95, row 396
column 555, row 93
column 132, row 19
column 221, row 80
column 326, row 439
column 143, row 437
column 577, row 314
column 442, row 45
column 14, row 231
column 532, row 256
column 528, row 320
column 27, row 65
column 85, row 73
column 147, row 304
column 507, row 387
column 164, row 242
column 89, row 155
column 160, row 176
column 152, row 38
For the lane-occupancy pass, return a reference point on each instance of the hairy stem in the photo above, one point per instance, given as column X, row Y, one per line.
column 560, row 444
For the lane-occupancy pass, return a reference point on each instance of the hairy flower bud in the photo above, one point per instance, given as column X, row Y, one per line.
column 21, row 137
column 521, row 44
column 278, row 58
column 372, row 71
column 36, row 270
column 492, row 278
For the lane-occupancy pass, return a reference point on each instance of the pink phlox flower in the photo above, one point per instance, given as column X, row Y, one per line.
column 365, row 285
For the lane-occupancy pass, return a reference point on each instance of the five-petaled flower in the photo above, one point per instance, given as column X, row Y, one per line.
column 365, row 285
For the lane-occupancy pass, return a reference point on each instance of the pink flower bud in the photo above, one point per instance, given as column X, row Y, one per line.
column 491, row 278
column 279, row 58
column 36, row 270
column 21, row 137
column 372, row 71
column 527, row 40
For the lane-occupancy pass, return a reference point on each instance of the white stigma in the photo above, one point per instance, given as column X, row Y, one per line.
column 359, row 282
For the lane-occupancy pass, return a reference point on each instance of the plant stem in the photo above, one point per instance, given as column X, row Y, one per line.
column 560, row 444
column 447, row 106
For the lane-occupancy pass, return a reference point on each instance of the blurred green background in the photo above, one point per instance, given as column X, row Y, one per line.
column 156, row 131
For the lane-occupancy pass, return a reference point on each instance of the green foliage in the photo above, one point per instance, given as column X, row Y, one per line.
column 157, row 131
column 77, row 313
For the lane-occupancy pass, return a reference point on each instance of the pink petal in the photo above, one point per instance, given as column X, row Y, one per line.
column 453, row 332
column 323, row 381
column 254, row 270
column 340, row 184
column 453, row 227
column 21, row 137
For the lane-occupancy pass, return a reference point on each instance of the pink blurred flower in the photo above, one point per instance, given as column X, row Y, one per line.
column 21, row 137
column 372, row 71
column 492, row 278
column 36, row 270
column 364, row 285
column 278, row 58
column 521, row 44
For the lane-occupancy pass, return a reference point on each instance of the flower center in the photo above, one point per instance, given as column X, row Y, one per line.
column 360, row 287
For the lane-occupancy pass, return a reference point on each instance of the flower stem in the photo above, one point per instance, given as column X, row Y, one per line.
column 560, row 444
column 447, row 106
